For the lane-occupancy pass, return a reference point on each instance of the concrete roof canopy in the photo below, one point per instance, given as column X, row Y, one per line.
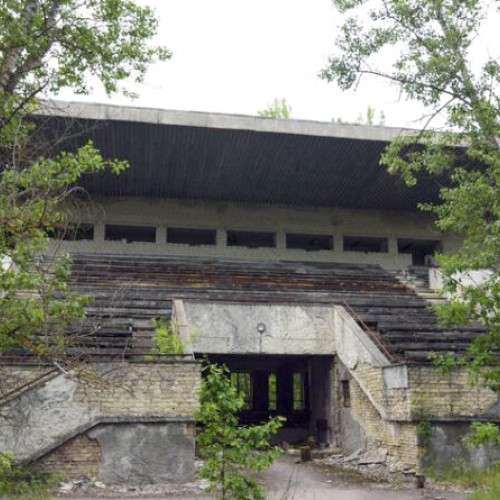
column 209, row 156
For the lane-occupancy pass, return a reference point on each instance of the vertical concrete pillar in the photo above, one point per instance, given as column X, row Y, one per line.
column 393, row 245
column 220, row 240
column 161, row 235
column 321, row 423
column 281, row 240
column 335, row 403
column 99, row 231
column 338, row 244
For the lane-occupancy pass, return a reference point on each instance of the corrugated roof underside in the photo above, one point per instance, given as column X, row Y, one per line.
column 199, row 163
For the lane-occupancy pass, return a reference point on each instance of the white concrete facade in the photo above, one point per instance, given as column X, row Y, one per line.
column 223, row 216
column 258, row 328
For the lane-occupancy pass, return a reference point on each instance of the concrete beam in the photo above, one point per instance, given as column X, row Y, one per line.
column 98, row 111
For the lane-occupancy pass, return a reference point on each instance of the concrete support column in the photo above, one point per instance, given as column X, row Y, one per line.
column 161, row 235
column 393, row 245
column 338, row 243
column 321, row 423
column 99, row 231
column 281, row 240
column 335, row 403
column 221, row 238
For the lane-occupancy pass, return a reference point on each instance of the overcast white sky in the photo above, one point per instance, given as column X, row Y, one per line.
column 236, row 56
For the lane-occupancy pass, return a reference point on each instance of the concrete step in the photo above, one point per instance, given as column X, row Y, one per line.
column 316, row 452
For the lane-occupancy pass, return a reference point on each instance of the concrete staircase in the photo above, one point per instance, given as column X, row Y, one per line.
column 417, row 279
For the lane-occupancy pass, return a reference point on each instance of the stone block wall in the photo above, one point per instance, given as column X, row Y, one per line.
column 399, row 438
column 415, row 392
column 132, row 390
column 388, row 405
column 366, row 430
column 78, row 458
column 450, row 396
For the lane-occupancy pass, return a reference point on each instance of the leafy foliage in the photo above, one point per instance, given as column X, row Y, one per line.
column 278, row 109
column 431, row 45
column 19, row 482
column 47, row 45
column 35, row 305
column 231, row 451
column 166, row 339
column 51, row 44
column 482, row 432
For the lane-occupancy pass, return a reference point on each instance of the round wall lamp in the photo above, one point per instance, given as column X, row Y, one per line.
column 261, row 328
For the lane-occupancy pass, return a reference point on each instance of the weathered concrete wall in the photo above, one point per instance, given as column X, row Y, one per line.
column 123, row 400
column 127, row 452
column 279, row 219
column 146, row 452
column 233, row 328
column 444, row 448
column 353, row 344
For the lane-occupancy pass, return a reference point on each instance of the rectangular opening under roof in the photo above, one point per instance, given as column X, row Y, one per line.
column 130, row 234
column 309, row 242
column 74, row 232
column 366, row 244
column 420, row 249
column 250, row 239
column 191, row 236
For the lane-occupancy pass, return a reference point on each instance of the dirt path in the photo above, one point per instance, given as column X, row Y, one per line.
column 288, row 480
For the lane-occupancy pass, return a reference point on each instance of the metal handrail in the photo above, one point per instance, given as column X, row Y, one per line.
column 32, row 382
column 373, row 336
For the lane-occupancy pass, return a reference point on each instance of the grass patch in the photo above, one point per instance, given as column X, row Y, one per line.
column 464, row 475
column 489, row 491
column 485, row 480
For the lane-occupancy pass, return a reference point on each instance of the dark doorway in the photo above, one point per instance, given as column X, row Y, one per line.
column 284, row 385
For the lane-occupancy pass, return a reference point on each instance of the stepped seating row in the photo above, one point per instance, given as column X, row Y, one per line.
column 400, row 319
column 131, row 292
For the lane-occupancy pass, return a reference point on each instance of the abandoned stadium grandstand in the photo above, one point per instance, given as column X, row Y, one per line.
column 279, row 247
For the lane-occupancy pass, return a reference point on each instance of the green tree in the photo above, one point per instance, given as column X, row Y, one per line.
column 45, row 46
column 435, row 62
column 369, row 118
column 279, row 108
column 231, row 451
